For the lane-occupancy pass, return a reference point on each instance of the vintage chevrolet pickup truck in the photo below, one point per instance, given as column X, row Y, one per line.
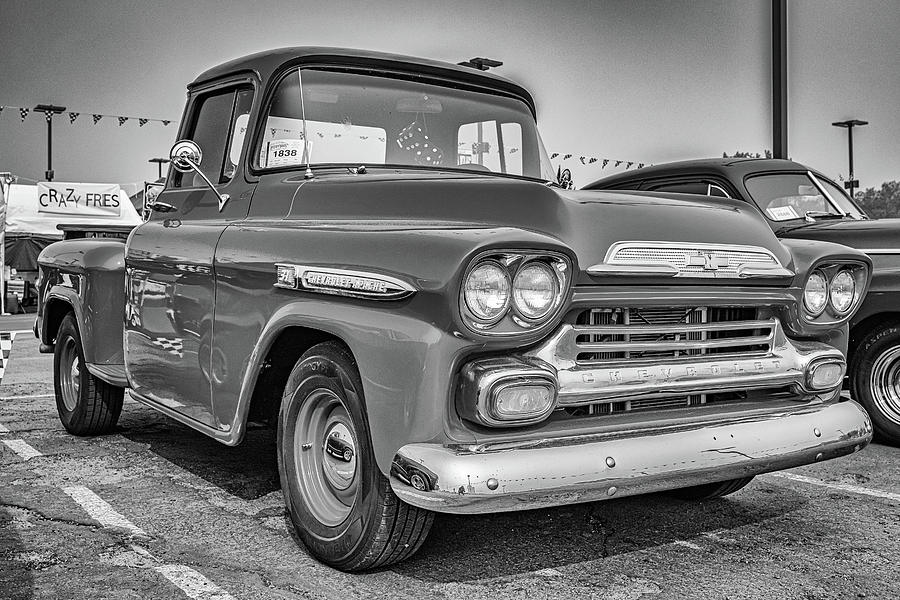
column 370, row 252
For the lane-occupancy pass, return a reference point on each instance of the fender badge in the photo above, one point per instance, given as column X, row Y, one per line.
column 341, row 282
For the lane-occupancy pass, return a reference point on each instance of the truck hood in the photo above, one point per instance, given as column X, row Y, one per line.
column 587, row 222
column 872, row 234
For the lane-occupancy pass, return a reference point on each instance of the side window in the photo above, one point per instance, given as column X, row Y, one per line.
column 492, row 146
column 718, row 191
column 218, row 121
column 681, row 187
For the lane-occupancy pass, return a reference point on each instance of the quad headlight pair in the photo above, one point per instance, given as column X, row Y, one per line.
column 505, row 292
column 836, row 288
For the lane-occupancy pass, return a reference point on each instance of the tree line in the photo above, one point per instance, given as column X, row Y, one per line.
column 881, row 203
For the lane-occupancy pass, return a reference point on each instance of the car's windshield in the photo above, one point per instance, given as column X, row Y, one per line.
column 360, row 119
column 786, row 196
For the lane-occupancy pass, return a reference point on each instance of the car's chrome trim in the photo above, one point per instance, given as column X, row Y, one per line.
column 783, row 363
column 880, row 250
column 698, row 260
column 550, row 472
column 341, row 282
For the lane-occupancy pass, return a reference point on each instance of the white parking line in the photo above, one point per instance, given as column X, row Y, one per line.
column 101, row 511
column 21, row 448
column 844, row 487
column 27, row 397
column 192, row 583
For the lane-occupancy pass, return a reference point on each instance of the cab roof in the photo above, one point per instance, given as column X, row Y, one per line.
column 265, row 64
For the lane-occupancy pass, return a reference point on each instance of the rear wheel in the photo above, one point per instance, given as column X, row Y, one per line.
column 875, row 380
column 86, row 405
column 340, row 504
column 708, row 491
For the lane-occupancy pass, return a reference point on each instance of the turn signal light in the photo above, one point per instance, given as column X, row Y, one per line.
column 825, row 375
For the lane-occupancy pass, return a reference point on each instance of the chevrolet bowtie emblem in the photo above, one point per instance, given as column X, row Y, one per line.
column 707, row 261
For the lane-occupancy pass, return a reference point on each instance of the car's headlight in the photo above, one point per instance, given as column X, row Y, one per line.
column 508, row 292
column 815, row 293
column 487, row 291
column 842, row 291
column 535, row 290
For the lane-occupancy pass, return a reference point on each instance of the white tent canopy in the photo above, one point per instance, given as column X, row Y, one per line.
column 28, row 213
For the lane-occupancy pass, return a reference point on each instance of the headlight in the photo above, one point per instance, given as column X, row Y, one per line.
column 487, row 291
column 815, row 293
column 842, row 291
column 535, row 290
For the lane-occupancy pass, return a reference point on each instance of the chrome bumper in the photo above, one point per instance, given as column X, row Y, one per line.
column 548, row 472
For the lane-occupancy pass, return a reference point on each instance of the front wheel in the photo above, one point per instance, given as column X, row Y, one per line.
column 340, row 504
column 86, row 404
column 875, row 380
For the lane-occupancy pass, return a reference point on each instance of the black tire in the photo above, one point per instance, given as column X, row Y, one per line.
column 86, row 405
column 346, row 514
column 708, row 491
column 875, row 380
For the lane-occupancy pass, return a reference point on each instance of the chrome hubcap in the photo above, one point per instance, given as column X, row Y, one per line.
column 69, row 374
column 885, row 384
column 325, row 457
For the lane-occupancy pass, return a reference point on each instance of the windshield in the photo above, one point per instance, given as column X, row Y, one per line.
column 786, row 196
column 358, row 119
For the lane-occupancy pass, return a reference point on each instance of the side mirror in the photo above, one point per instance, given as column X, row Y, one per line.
column 186, row 156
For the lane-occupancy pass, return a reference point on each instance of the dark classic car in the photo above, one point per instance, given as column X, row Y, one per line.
column 801, row 203
column 370, row 252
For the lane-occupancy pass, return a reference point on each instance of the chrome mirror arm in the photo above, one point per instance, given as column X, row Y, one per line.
column 223, row 198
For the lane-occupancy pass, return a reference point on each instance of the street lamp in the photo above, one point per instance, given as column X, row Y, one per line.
column 159, row 163
column 49, row 110
column 849, row 125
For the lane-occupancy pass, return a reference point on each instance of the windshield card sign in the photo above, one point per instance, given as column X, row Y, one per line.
column 782, row 213
column 280, row 153
column 80, row 199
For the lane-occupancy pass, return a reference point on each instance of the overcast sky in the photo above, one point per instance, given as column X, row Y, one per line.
column 644, row 81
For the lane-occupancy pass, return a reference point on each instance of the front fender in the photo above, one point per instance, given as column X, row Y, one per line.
column 405, row 365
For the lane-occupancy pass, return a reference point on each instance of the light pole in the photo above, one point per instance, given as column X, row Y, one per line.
column 49, row 110
column 849, row 125
column 159, row 163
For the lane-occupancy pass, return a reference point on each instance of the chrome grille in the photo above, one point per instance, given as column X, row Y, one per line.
column 693, row 260
column 645, row 333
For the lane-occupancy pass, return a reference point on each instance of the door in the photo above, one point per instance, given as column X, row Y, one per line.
column 170, row 279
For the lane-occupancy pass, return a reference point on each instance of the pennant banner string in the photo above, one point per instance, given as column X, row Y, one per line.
column 589, row 160
column 73, row 116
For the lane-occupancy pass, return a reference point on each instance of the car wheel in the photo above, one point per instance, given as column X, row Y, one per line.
column 340, row 504
column 875, row 380
column 708, row 491
column 86, row 405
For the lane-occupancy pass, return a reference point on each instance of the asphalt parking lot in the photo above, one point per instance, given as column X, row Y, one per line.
column 157, row 510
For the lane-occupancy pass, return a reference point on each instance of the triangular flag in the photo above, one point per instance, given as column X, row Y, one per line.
column 122, row 120
column 554, row 155
column 1, row 109
column 592, row 160
column 97, row 118
column 142, row 122
column 581, row 158
column 567, row 157
column 605, row 162
column 23, row 113
column 48, row 114
column 628, row 165
column 618, row 162
column 72, row 117
column 166, row 122
column 640, row 165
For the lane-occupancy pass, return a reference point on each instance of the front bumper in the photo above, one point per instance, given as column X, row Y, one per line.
column 548, row 472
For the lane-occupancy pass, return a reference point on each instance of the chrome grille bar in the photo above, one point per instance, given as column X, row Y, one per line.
column 664, row 346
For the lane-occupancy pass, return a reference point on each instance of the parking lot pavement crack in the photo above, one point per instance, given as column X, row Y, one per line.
column 44, row 517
